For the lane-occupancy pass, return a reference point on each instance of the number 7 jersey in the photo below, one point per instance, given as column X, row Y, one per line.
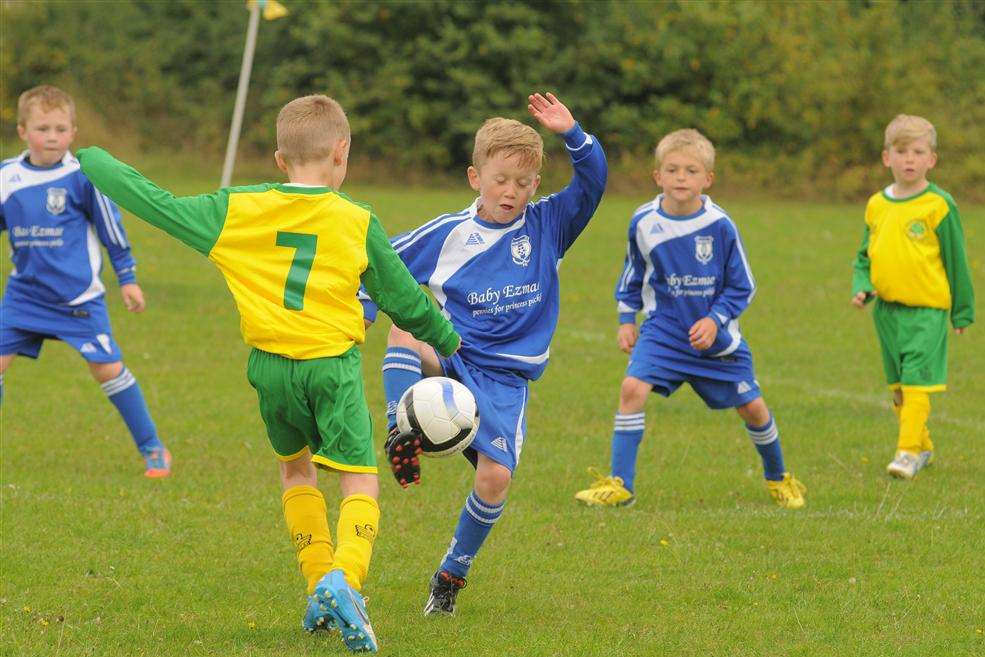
column 293, row 257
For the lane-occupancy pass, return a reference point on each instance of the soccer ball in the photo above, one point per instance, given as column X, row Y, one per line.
column 443, row 411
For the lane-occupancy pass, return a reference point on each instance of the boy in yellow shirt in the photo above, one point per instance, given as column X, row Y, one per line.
column 912, row 262
column 293, row 256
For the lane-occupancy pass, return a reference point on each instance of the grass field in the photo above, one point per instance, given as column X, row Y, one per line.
column 98, row 561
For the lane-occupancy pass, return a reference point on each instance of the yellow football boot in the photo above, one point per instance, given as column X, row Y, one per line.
column 605, row 491
column 788, row 492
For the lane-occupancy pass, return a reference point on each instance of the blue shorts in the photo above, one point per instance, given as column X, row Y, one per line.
column 725, row 382
column 502, row 411
column 25, row 325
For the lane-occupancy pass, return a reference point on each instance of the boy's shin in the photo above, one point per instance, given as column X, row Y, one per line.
column 359, row 523
column 305, row 513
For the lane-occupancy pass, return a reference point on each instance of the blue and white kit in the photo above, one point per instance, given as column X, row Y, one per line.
column 499, row 286
column 57, row 223
column 680, row 269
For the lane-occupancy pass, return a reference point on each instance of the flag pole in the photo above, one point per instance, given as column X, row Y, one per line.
column 244, row 83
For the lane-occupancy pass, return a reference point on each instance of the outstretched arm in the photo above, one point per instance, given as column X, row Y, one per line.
column 195, row 220
column 572, row 207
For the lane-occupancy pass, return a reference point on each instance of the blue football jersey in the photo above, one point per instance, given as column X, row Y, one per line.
column 56, row 221
column 681, row 269
column 498, row 283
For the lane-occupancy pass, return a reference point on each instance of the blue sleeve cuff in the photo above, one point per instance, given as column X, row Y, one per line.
column 627, row 318
column 370, row 310
column 127, row 276
column 718, row 320
column 576, row 138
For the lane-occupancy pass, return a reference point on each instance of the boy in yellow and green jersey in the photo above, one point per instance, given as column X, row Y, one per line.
column 912, row 262
column 293, row 256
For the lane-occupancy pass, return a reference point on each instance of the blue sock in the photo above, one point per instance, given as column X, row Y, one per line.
column 626, row 439
column 401, row 370
column 767, row 441
column 474, row 525
column 125, row 394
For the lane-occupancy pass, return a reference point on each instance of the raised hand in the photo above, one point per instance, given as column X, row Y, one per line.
column 550, row 112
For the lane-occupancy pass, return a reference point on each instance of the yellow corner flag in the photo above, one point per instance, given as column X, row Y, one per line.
column 272, row 10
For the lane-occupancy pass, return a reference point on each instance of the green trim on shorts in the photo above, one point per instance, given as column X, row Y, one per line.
column 913, row 341
column 318, row 404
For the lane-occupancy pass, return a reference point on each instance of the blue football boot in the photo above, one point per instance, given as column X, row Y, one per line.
column 346, row 605
column 317, row 617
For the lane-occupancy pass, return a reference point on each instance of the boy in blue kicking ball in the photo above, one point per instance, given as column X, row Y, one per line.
column 493, row 267
column 687, row 271
column 57, row 221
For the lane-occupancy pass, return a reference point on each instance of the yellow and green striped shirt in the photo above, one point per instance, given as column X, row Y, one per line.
column 913, row 253
column 292, row 256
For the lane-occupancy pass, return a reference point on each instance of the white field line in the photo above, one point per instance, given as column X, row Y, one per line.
column 881, row 402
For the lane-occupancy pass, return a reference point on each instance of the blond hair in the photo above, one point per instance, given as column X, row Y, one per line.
column 691, row 142
column 499, row 135
column 906, row 128
column 309, row 128
column 48, row 98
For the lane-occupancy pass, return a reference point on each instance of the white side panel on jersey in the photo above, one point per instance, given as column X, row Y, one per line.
column 518, row 441
column 455, row 252
column 16, row 177
column 733, row 330
column 96, row 287
column 539, row 359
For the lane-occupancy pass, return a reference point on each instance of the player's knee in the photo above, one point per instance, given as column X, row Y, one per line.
column 5, row 361
column 755, row 413
column 492, row 481
column 633, row 392
column 400, row 338
column 103, row 372
column 298, row 472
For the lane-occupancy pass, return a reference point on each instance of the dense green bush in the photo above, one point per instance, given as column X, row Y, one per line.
column 795, row 95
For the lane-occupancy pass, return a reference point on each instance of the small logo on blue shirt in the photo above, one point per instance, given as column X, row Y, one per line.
column 56, row 200
column 474, row 239
column 520, row 249
column 703, row 248
column 15, row 178
column 656, row 228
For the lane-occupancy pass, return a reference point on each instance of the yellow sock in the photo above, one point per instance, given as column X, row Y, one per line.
column 926, row 444
column 304, row 511
column 359, row 522
column 913, row 420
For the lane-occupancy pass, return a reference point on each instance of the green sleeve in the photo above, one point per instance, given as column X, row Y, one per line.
column 195, row 220
column 951, row 239
column 860, row 278
column 394, row 290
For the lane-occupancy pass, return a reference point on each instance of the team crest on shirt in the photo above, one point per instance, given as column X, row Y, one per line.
column 917, row 229
column 703, row 248
column 56, row 200
column 520, row 249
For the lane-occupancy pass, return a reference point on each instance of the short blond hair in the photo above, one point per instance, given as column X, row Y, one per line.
column 499, row 135
column 309, row 128
column 48, row 98
column 691, row 142
column 906, row 128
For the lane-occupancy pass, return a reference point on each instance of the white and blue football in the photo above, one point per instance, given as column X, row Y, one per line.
column 443, row 411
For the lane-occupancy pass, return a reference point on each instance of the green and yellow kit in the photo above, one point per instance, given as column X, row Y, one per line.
column 293, row 258
column 913, row 260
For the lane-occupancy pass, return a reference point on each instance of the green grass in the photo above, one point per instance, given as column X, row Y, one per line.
column 98, row 561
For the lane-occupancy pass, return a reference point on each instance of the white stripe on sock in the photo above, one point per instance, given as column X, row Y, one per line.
column 118, row 384
column 401, row 366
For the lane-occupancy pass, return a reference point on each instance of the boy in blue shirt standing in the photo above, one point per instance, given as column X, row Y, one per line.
column 493, row 268
column 56, row 221
column 687, row 271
